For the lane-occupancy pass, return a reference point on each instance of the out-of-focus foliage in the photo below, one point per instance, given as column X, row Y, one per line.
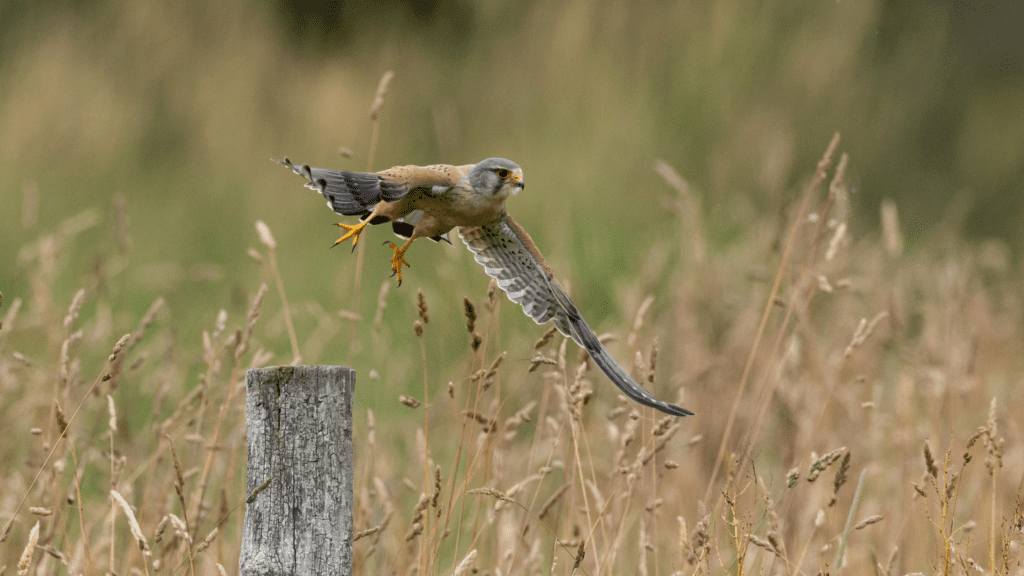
column 105, row 96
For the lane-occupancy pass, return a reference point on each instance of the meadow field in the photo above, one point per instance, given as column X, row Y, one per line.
column 800, row 221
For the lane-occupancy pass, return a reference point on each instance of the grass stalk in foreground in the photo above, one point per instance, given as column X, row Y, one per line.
column 357, row 276
column 268, row 240
column 849, row 520
column 819, row 177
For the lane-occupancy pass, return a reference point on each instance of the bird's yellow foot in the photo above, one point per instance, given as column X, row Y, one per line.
column 353, row 233
column 398, row 259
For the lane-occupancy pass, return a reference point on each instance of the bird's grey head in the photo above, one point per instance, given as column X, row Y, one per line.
column 496, row 176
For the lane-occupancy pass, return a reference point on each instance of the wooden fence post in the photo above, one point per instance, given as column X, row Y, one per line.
column 300, row 440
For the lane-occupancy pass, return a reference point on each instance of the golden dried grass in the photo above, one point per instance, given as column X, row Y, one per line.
column 531, row 463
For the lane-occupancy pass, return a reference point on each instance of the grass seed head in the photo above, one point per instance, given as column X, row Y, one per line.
column 466, row 565
column 836, row 241
column 437, row 486
column 653, row 361
column 254, row 313
column 378, row 98
column 76, row 305
column 150, row 316
column 545, row 338
column 580, row 553
column 929, row 461
column 112, row 412
column 180, row 528
column 62, row 419
column 133, row 523
column 158, row 535
column 266, row 238
column 119, row 346
column 179, row 476
column 761, row 543
column 417, row 529
column 421, row 307
column 492, row 492
column 867, row 522
column 840, row 478
column 220, row 323
column 363, row 534
column 208, row 540
column 493, row 370
column 26, row 556
column 540, row 359
column 470, row 312
column 700, row 542
column 492, row 294
column 820, row 464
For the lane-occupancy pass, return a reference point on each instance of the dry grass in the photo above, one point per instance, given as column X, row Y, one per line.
column 857, row 361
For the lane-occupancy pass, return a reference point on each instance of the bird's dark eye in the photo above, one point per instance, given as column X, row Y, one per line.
column 501, row 172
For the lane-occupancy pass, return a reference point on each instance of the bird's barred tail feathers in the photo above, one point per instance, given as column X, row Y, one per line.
column 586, row 337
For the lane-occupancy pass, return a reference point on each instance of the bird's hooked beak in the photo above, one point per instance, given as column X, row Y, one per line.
column 516, row 181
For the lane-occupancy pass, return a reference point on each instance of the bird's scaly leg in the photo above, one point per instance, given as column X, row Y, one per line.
column 353, row 233
column 399, row 258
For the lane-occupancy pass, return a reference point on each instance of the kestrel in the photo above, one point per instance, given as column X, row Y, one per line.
column 430, row 201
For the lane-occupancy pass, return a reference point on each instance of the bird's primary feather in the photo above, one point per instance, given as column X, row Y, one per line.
column 349, row 193
column 509, row 255
column 356, row 193
column 506, row 258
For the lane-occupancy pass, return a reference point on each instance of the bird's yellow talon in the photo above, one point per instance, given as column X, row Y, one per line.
column 398, row 259
column 353, row 232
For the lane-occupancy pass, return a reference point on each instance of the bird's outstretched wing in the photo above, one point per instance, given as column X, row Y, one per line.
column 356, row 193
column 509, row 255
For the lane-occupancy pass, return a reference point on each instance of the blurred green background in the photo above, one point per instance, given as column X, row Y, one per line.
column 160, row 117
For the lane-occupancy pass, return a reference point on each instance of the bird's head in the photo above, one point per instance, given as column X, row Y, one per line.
column 496, row 177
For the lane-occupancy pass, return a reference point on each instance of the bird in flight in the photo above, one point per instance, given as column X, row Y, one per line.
column 430, row 201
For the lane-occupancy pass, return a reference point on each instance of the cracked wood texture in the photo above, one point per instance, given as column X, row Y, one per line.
column 300, row 437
